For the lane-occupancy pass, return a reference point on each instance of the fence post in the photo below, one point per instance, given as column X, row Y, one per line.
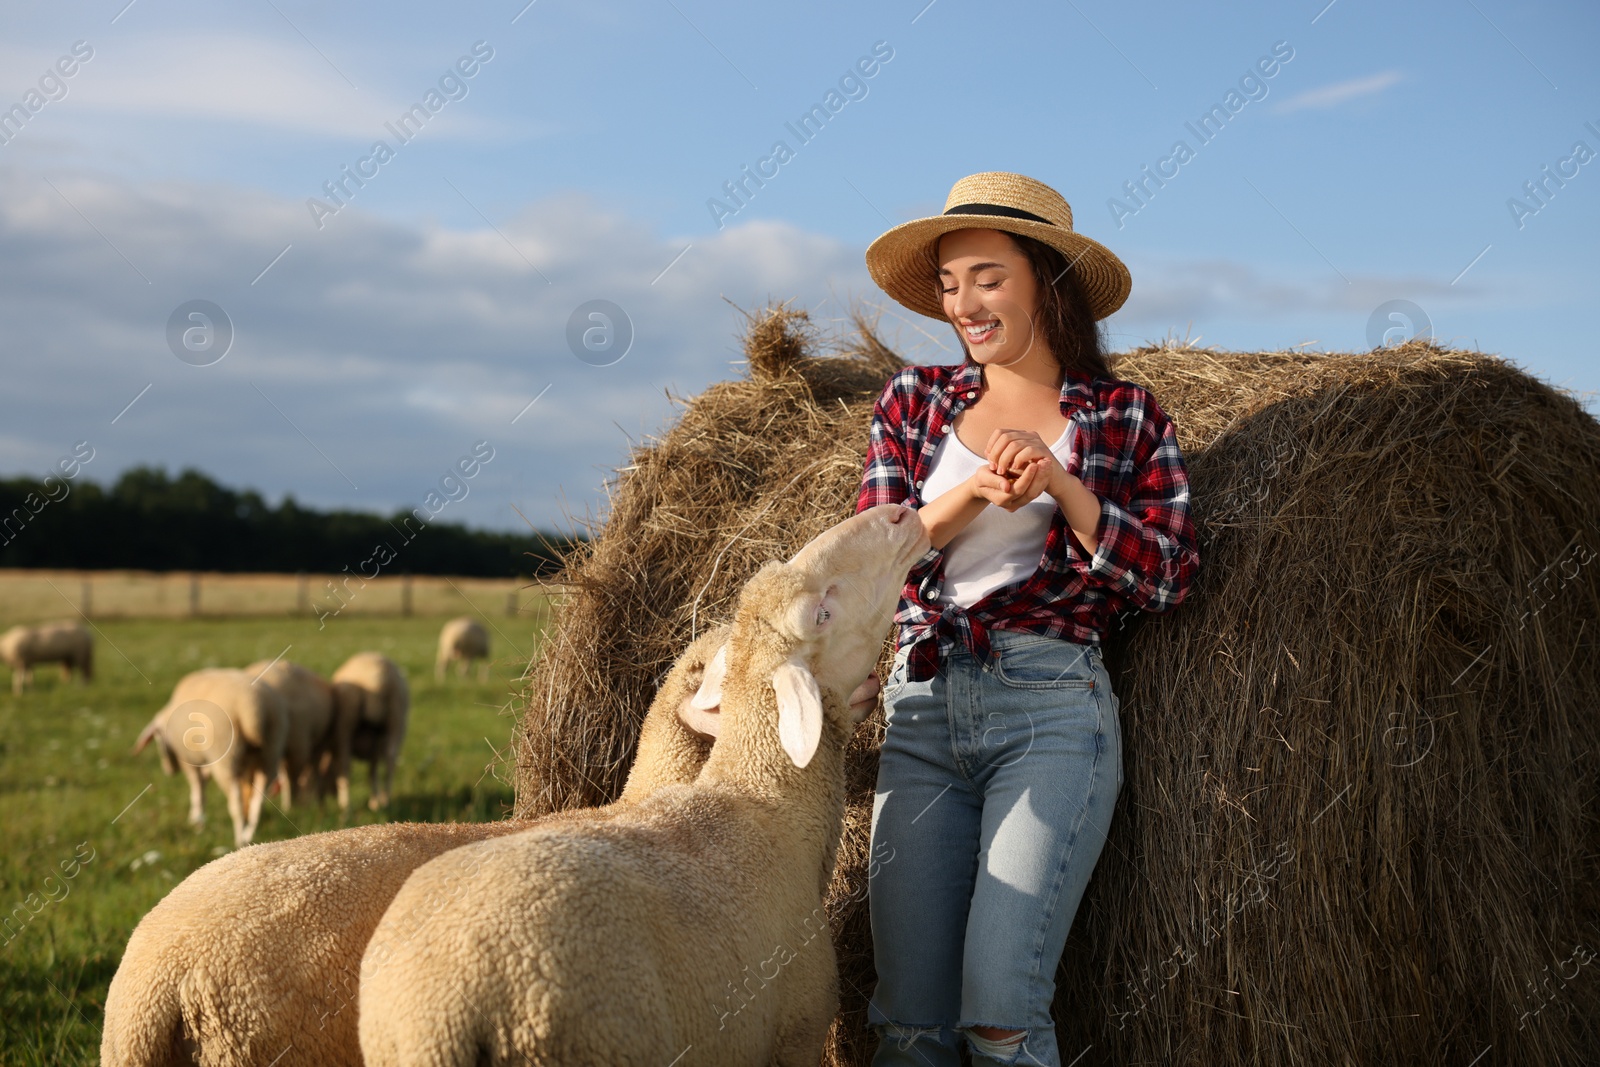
column 405, row 594
column 302, row 594
column 194, row 593
column 86, row 596
column 511, row 603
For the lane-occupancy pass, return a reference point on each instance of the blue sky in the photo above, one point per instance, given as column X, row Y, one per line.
column 375, row 343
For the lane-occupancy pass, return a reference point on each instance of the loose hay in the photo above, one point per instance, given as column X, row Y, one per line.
column 1358, row 824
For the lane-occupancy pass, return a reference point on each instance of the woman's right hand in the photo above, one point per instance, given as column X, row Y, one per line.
column 1009, row 493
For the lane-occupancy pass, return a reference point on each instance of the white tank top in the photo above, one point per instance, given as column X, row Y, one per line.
column 999, row 546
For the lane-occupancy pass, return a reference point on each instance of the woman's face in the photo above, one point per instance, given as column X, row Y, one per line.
column 989, row 293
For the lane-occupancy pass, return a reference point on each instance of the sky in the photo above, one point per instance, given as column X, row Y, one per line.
column 206, row 259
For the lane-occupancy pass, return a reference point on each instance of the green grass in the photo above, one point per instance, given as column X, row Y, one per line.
column 69, row 788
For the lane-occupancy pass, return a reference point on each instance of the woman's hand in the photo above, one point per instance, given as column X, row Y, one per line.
column 1015, row 454
column 1008, row 491
column 1012, row 450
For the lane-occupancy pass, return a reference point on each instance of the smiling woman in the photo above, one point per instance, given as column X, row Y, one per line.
column 1000, row 647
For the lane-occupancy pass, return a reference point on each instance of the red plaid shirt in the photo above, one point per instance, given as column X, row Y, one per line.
column 1147, row 553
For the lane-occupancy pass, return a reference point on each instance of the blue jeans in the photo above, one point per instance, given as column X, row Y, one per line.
column 994, row 796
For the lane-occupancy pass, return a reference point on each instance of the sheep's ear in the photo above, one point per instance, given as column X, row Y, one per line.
column 799, row 710
column 709, row 695
column 705, row 721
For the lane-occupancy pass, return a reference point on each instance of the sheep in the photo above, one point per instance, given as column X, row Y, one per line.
column 313, row 704
column 217, row 724
column 257, row 953
column 619, row 940
column 462, row 640
column 375, row 686
column 67, row 643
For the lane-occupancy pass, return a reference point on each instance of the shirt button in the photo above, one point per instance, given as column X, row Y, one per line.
column 945, row 428
column 919, row 483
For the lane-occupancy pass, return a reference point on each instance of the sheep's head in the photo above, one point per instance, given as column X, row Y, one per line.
column 828, row 609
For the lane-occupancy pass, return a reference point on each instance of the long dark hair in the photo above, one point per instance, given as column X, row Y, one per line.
column 1064, row 319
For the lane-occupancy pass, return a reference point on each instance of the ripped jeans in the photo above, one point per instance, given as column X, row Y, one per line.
column 995, row 792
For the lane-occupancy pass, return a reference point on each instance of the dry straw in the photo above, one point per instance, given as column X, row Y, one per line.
column 1359, row 818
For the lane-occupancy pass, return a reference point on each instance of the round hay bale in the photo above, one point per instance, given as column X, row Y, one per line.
column 1359, row 818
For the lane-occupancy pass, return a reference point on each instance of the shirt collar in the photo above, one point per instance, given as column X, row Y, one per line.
column 1077, row 389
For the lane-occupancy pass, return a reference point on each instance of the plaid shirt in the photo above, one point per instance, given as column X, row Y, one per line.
column 1147, row 553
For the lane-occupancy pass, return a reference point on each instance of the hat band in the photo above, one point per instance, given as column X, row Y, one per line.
column 996, row 209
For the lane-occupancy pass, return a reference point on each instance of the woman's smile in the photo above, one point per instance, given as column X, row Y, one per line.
column 982, row 332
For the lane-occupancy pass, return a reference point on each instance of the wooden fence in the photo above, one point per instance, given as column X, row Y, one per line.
column 31, row 595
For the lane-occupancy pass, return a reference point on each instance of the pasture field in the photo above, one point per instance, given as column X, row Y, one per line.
column 91, row 837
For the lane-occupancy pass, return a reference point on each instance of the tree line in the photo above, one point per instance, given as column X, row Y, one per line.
column 148, row 520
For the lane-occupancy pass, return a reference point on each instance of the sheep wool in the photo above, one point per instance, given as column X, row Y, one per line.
column 374, row 686
column 253, row 958
column 217, row 724
column 462, row 640
column 256, row 955
column 66, row 643
column 625, row 940
column 311, row 704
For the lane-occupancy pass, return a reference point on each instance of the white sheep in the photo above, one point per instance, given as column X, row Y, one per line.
column 218, row 725
column 375, row 685
column 619, row 941
column 257, row 954
column 313, row 705
column 462, row 640
column 67, row 643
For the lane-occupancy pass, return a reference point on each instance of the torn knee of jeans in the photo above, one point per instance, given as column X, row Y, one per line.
column 1001, row 1048
column 906, row 1034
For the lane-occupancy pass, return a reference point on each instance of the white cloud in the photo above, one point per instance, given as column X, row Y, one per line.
column 1336, row 94
column 391, row 347
column 245, row 78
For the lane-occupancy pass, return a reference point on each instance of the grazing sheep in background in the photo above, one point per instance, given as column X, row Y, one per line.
column 259, row 952
column 67, row 643
column 217, row 724
column 619, row 940
column 375, row 686
column 462, row 640
column 312, row 704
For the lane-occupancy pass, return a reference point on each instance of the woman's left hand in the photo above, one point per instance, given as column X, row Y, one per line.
column 1009, row 453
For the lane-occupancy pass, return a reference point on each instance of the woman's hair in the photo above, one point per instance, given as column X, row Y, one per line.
column 1064, row 320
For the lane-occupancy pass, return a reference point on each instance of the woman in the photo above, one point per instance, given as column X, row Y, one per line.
column 1003, row 756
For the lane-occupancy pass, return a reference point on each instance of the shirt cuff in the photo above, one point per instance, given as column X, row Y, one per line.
column 1118, row 547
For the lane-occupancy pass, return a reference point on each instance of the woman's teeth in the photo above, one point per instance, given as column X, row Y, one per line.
column 983, row 330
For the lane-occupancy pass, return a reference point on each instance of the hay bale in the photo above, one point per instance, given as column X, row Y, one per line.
column 1359, row 817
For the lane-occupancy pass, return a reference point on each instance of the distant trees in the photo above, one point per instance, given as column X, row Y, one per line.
column 149, row 520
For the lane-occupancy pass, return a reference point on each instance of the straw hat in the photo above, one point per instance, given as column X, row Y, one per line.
column 899, row 260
